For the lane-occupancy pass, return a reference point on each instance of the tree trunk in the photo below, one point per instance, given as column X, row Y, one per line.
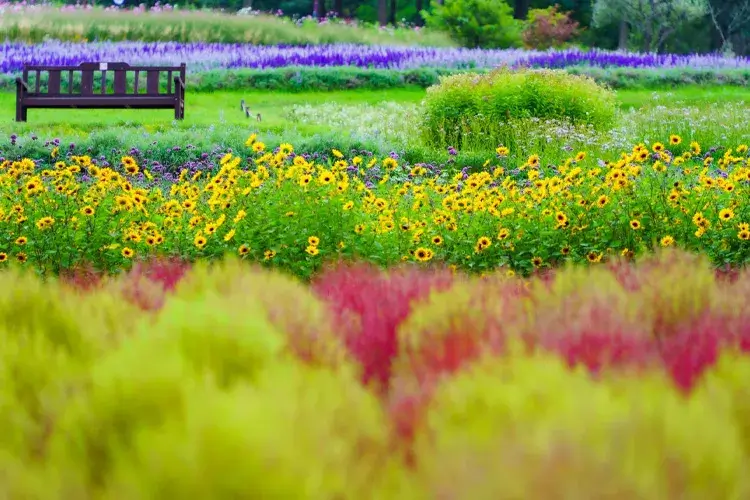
column 338, row 7
column 520, row 9
column 622, row 43
column 717, row 39
column 392, row 13
column 382, row 12
column 419, row 21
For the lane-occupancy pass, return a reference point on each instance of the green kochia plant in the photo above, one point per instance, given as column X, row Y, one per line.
column 469, row 104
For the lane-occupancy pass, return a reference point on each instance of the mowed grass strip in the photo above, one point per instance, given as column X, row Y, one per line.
column 223, row 108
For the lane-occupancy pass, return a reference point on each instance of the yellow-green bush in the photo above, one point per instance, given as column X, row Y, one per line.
column 286, row 303
column 189, row 344
column 486, row 108
column 209, row 396
column 531, row 428
column 300, row 432
column 727, row 386
column 50, row 337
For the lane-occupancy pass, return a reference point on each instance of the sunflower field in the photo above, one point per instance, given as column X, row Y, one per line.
column 292, row 212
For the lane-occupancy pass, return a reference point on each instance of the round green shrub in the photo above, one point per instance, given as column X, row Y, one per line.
column 473, row 109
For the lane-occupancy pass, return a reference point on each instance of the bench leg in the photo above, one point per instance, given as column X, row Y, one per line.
column 179, row 109
column 21, row 113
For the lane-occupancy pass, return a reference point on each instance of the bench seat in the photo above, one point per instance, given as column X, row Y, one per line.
column 99, row 101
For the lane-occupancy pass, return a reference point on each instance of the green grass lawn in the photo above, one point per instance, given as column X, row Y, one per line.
column 223, row 108
column 686, row 96
column 200, row 109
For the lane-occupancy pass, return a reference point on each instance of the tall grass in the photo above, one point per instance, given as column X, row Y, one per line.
column 40, row 24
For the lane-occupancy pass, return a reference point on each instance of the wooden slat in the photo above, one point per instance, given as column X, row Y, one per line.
column 152, row 82
column 120, row 82
column 110, row 66
column 87, row 82
column 137, row 81
column 38, row 81
column 104, row 81
column 53, row 83
column 70, row 81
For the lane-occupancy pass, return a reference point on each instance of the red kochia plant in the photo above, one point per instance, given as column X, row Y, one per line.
column 83, row 277
column 369, row 304
column 549, row 28
column 152, row 278
column 598, row 338
column 148, row 283
column 696, row 348
column 444, row 335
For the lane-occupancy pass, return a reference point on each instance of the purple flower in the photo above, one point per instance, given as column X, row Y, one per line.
column 211, row 56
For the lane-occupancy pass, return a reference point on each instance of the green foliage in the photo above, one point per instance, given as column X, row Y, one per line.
column 291, row 79
column 477, row 23
column 651, row 23
column 464, row 105
column 657, row 79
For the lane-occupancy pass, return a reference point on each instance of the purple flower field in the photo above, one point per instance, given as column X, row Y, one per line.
column 204, row 57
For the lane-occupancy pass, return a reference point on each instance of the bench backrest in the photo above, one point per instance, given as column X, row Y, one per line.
column 94, row 79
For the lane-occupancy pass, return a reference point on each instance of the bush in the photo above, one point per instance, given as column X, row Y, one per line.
column 199, row 397
column 543, row 426
column 476, row 23
column 548, row 28
column 485, row 105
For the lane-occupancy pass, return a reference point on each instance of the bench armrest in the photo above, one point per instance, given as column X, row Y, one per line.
column 178, row 83
column 20, row 84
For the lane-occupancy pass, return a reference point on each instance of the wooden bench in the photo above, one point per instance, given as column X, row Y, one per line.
column 88, row 92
